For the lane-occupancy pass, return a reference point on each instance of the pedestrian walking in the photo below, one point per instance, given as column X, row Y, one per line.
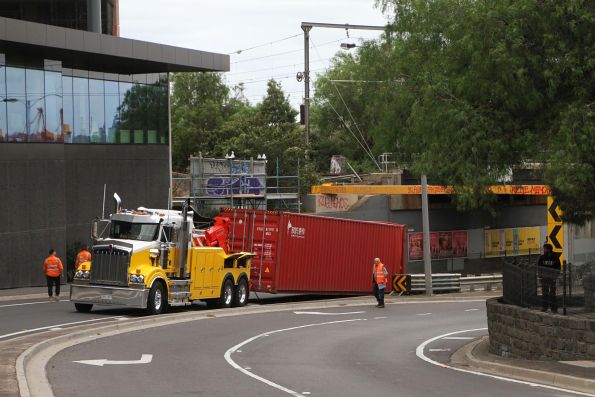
column 52, row 268
column 548, row 269
column 83, row 256
column 379, row 276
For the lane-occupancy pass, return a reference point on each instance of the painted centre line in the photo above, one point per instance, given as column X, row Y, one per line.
column 329, row 313
column 423, row 314
column 471, row 310
column 49, row 327
column 237, row 348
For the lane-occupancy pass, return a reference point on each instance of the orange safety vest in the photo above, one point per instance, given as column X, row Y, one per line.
column 52, row 266
column 83, row 256
column 378, row 270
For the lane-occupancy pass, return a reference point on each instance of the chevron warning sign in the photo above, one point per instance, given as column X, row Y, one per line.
column 555, row 227
column 402, row 283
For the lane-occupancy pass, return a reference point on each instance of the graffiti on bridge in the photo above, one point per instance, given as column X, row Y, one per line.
column 225, row 186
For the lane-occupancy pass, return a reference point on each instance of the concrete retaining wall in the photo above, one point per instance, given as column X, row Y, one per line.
column 530, row 334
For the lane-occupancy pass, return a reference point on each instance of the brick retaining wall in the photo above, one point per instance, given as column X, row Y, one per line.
column 519, row 332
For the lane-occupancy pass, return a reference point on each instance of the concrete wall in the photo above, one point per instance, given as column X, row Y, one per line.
column 49, row 194
column 530, row 334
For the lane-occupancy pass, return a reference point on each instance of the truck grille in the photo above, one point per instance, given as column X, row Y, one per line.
column 110, row 266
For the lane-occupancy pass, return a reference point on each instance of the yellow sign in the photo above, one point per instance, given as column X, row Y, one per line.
column 511, row 242
column 402, row 283
column 555, row 227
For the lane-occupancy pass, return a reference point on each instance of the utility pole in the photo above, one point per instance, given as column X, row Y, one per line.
column 426, row 232
column 306, row 27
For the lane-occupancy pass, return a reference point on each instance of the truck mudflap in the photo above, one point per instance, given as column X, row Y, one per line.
column 106, row 295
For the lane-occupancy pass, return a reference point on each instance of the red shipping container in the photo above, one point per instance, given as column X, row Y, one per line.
column 314, row 254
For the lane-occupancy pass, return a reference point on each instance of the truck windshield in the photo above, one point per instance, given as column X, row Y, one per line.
column 134, row 231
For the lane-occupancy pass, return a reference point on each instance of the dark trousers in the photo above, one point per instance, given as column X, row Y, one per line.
column 53, row 281
column 379, row 294
column 548, row 294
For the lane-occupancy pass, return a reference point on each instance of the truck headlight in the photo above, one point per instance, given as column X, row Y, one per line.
column 82, row 275
column 137, row 279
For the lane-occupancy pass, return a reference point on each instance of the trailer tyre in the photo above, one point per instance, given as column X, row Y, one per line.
column 227, row 294
column 241, row 293
column 83, row 307
column 157, row 300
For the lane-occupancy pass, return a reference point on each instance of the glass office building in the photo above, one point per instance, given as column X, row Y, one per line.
column 56, row 104
column 82, row 112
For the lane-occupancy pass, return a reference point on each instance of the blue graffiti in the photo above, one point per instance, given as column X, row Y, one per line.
column 225, row 186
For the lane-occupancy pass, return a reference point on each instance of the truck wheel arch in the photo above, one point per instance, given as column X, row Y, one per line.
column 159, row 279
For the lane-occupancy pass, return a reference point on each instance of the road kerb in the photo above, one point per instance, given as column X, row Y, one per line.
column 582, row 385
column 31, row 364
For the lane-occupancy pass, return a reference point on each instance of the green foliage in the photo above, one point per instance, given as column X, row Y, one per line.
column 470, row 89
column 207, row 119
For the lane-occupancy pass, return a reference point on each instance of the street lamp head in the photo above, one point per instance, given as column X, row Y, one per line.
column 10, row 100
column 348, row 46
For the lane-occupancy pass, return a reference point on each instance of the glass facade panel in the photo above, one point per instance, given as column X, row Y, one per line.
column 112, row 117
column 35, row 104
column 3, row 98
column 16, row 108
column 80, row 89
column 53, row 107
column 125, row 108
column 97, row 111
column 67, row 108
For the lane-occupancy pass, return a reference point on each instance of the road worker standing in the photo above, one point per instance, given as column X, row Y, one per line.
column 379, row 277
column 52, row 268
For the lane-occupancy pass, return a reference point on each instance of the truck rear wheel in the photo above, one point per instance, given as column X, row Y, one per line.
column 157, row 301
column 83, row 307
column 240, row 296
column 226, row 298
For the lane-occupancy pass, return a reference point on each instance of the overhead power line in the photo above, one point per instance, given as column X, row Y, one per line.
column 264, row 44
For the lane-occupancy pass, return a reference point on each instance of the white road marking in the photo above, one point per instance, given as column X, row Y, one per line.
column 423, row 314
column 439, row 350
column 471, row 310
column 145, row 359
column 380, row 318
column 458, row 337
column 27, row 331
column 24, row 304
column 56, row 329
column 329, row 313
column 419, row 351
column 232, row 350
column 306, row 393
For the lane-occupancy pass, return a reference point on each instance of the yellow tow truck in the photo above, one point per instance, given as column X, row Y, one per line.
column 153, row 259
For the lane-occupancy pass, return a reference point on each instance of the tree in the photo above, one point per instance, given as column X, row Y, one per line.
column 474, row 88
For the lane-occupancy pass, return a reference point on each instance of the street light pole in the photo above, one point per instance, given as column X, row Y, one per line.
column 306, row 27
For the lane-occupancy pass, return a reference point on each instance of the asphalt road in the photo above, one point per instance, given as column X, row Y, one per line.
column 350, row 351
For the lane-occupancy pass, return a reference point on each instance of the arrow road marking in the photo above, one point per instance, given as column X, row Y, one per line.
column 458, row 337
column 327, row 313
column 439, row 350
column 145, row 359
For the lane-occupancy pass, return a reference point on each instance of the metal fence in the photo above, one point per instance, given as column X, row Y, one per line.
column 521, row 284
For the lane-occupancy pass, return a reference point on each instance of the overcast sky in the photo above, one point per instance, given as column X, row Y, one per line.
column 226, row 26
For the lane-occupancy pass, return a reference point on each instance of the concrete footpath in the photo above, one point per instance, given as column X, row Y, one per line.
column 578, row 376
column 13, row 294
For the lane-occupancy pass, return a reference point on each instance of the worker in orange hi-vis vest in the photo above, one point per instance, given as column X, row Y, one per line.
column 52, row 268
column 379, row 277
column 83, row 256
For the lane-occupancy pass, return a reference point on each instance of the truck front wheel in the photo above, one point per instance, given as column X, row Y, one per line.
column 83, row 307
column 240, row 297
column 157, row 302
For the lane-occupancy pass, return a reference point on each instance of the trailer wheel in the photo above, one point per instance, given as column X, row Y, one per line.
column 83, row 307
column 241, row 294
column 227, row 295
column 157, row 301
